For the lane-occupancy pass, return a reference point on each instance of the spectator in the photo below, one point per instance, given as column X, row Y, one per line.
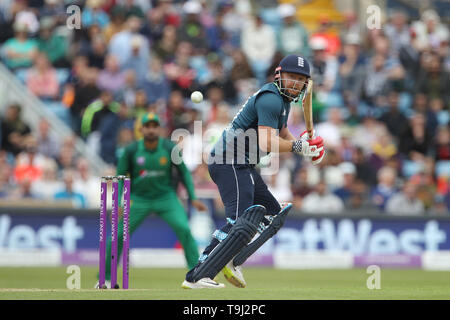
column 96, row 111
column 124, row 138
column 276, row 182
column 129, row 8
column 385, row 188
column 97, row 52
column 155, row 83
column 292, row 36
column 108, row 131
column 421, row 105
column 85, row 92
column 416, row 141
column 424, row 180
column 437, row 107
column 331, row 172
column 364, row 170
column 23, row 191
column 442, row 148
column 259, row 45
column 325, row 66
column 429, row 30
column 241, row 69
column 79, row 67
column 300, row 187
column 13, row 130
column 375, row 81
column 155, row 22
column 434, row 81
column 94, row 14
column 330, row 129
column 42, row 79
column 405, row 202
column 219, row 78
column 166, row 46
column 345, row 192
column 111, row 78
column 382, row 150
column 322, row 201
column 192, row 30
column 139, row 107
column 393, row 118
column 67, row 155
column 18, row 52
column 116, row 23
column 47, row 143
column 54, row 9
column 120, row 44
column 87, row 184
column 4, row 192
column 397, row 30
column 214, row 100
column 6, row 172
column 26, row 15
column 215, row 128
column 180, row 74
column 53, row 44
column 351, row 69
column 325, row 31
column 29, row 162
column 176, row 115
column 232, row 20
column 218, row 38
column 347, row 149
column 48, row 183
column 68, row 193
column 367, row 133
column 136, row 62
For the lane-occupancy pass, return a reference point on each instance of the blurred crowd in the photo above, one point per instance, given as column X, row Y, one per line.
column 381, row 97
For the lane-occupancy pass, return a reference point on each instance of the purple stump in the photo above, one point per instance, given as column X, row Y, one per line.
column 102, row 233
column 126, row 232
column 114, row 231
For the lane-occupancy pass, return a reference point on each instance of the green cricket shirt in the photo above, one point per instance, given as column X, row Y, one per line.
column 153, row 173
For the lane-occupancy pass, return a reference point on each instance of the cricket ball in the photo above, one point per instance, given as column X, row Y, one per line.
column 197, row 97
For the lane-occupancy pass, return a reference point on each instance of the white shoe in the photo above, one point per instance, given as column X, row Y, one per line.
column 234, row 275
column 204, row 283
column 107, row 285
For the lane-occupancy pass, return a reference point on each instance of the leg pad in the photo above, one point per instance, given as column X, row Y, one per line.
column 269, row 232
column 239, row 236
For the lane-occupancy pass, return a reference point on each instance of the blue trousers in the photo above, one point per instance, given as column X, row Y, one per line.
column 241, row 186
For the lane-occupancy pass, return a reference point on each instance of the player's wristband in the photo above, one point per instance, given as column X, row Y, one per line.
column 297, row 146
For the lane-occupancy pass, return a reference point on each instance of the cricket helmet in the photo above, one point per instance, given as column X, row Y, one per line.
column 294, row 64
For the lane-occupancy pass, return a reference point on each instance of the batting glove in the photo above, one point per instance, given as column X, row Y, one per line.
column 315, row 159
column 308, row 148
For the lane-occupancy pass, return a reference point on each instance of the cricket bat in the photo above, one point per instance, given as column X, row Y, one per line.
column 307, row 109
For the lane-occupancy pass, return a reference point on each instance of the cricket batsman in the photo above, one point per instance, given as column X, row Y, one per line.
column 148, row 162
column 250, row 208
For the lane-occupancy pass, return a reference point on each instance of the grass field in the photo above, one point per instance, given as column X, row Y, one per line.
column 263, row 283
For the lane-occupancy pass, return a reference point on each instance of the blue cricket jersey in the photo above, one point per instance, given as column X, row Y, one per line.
column 239, row 143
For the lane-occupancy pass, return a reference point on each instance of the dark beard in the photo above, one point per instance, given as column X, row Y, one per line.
column 151, row 139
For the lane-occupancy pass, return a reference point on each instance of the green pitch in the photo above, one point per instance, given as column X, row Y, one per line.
column 263, row 283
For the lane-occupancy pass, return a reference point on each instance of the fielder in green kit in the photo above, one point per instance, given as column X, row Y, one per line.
column 149, row 164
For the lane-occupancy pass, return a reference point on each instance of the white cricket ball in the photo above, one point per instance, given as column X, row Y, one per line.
column 197, row 97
